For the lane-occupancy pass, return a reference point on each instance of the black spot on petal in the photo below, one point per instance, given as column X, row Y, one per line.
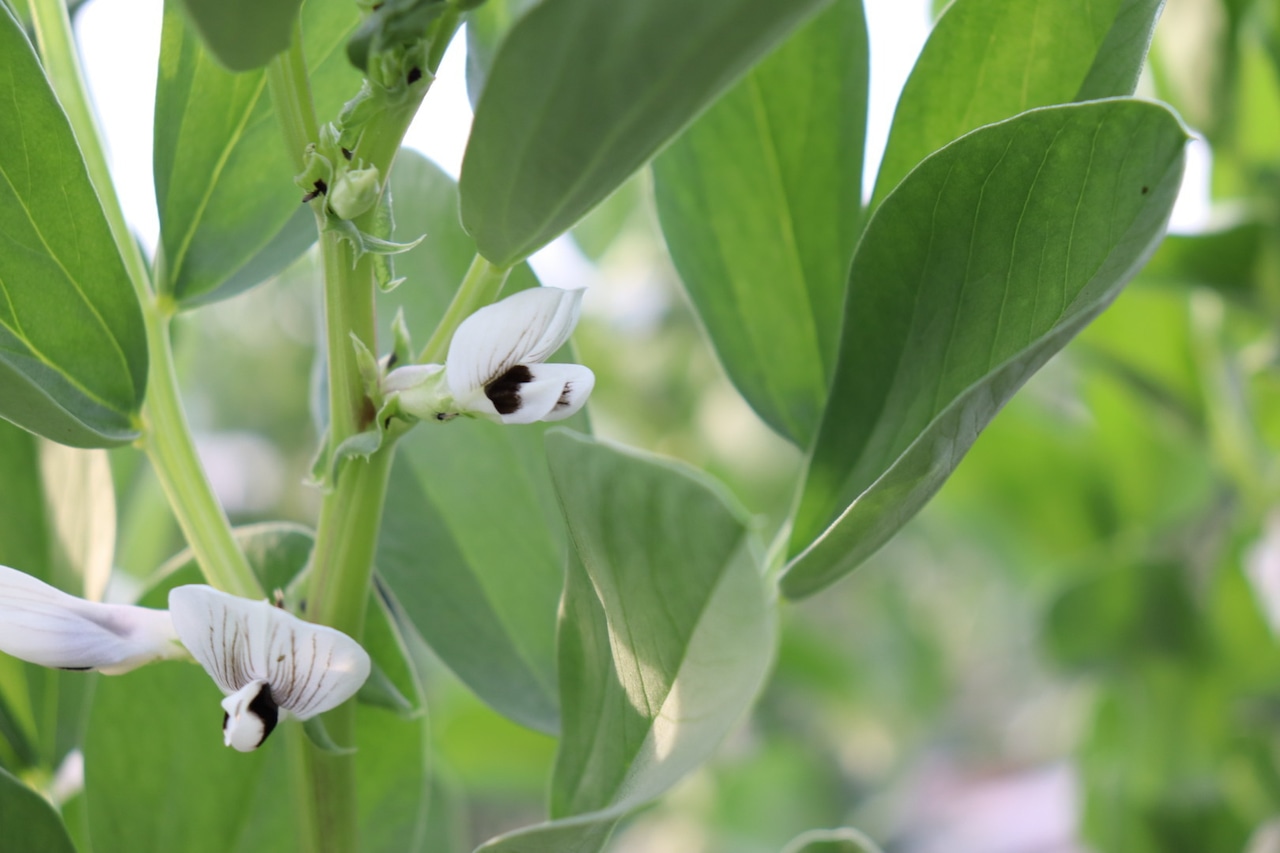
column 504, row 392
column 566, row 395
column 266, row 709
column 415, row 74
column 75, row 668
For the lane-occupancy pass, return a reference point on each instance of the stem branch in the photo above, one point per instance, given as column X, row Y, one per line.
column 166, row 435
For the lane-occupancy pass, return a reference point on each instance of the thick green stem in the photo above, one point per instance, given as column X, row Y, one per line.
column 166, row 437
column 167, row 441
column 480, row 287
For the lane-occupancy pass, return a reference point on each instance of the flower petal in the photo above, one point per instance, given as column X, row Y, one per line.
column 310, row 668
column 46, row 626
column 251, row 715
column 546, row 392
column 525, row 328
column 577, row 384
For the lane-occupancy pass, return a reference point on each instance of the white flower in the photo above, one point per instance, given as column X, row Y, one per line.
column 495, row 367
column 265, row 660
column 46, row 626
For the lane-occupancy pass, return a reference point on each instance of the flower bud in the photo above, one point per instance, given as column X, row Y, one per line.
column 354, row 192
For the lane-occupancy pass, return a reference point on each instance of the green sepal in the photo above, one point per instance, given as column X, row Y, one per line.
column 380, row 692
column 363, row 243
column 319, row 736
column 401, row 343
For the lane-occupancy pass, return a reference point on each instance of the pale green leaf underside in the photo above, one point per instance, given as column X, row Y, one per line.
column 983, row 263
column 73, row 357
column 760, row 201
column 244, row 34
column 583, row 92
column 666, row 634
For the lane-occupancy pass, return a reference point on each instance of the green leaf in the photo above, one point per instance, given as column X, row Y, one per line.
column 487, row 25
column 29, row 822
column 984, row 262
column 244, row 34
column 1126, row 617
column 666, row 634
column 761, row 203
column 1229, row 260
column 844, row 840
column 80, row 502
column 473, row 549
column 988, row 60
column 583, row 92
column 471, row 543
column 73, row 353
column 157, row 776
column 229, row 211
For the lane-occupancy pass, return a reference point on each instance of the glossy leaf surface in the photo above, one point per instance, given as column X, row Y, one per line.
column 987, row 60
column 29, row 822
column 666, row 634
column 73, row 355
column 761, row 201
column 229, row 211
column 583, row 92
column 981, row 266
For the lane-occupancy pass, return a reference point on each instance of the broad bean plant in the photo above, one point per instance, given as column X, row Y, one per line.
column 264, row 689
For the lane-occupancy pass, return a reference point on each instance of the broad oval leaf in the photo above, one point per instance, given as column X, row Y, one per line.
column 29, row 821
column 229, row 211
column 471, row 542
column 988, row 60
column 473, row 549
column 982, row 264
column 666, row 634
column 760, row 201
column 73, row 352
column 244, row 34
column 583, row 92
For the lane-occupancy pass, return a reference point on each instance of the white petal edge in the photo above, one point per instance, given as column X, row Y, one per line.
column 310, row 668
column 46, row 626
column 525, row 328
column 556, row 392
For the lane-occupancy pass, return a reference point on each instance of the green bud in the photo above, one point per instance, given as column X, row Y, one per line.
column 419, row 391
column 354, row 192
